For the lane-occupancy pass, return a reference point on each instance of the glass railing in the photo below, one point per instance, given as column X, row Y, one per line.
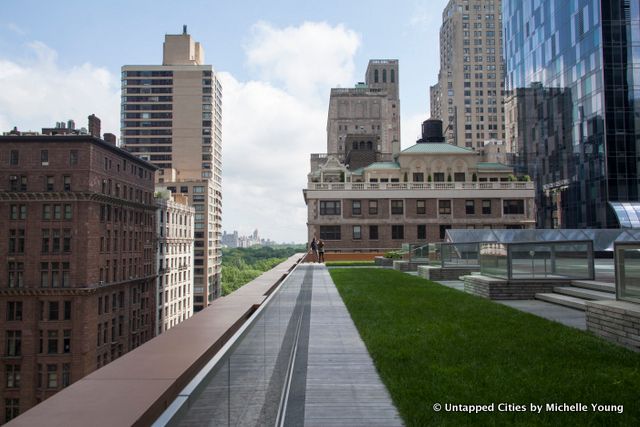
column 452, row 254
column 627, row 262
column 568, row 260
column 244, row 383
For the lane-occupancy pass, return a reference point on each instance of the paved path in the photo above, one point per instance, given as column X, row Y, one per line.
column 343, row 387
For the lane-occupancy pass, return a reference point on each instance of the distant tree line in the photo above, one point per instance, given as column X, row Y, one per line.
column 242, row 265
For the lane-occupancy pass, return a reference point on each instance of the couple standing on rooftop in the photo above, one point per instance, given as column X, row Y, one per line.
column 317, row 248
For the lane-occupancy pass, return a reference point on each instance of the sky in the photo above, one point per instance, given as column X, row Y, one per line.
column 276, row 60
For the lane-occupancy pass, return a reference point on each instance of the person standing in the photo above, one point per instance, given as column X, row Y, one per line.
column 321, row 249
column 314, row 249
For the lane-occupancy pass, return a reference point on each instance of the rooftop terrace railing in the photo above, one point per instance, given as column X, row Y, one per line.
column 447, row 254
column 333, row 186
column 138, row 387
column 563, row 260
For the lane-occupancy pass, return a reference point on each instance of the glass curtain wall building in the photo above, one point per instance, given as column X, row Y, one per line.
column 572, row 71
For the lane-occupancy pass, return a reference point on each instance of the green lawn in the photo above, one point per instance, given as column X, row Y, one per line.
column 433, row 344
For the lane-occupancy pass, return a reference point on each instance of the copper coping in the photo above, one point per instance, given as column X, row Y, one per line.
column 136, row 388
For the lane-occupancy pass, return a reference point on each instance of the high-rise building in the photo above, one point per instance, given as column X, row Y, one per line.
column 77, row 266
column 172, row 116
column 174, row 259
column 468, row 94
column 363, row 123
column 571, row 110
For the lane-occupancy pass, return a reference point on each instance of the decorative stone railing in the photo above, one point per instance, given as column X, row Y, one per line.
column 333, row 186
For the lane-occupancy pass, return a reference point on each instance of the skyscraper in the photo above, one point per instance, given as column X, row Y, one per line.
column 572, row 79
column 468, row 94
column 172, row 116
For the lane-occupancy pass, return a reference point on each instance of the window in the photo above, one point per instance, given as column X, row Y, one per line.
column 397, row 207
column 57, row 212
column 66, row 180
column 418, row 177
column 18, row 212
column 11, row 409
column 44, row 157
column 16, row 241
column 16, row 274
column 13, row 376
column 443, row 230
column 14, row 158
column 357, row 232
column 373, row 207
column 356, row 207
column 397, row 232
column 373, row 232
column 14, row 310
column 513, row 207
column 330, row 232
column 438, row 177
column 422, row 231
column 52, row 342
column 67, row 310
column 66, row 341
column 444, row 207
column 54, row 314
column 470, row 207
column 66, row 374
column 52, row 376
column 14, row 343
column 459, row 177
column 68, row 213
column 421, row 207
column 329, row 207
column 66, row 240
column 46, row 211
column 73, row 157
column 486, row 207
column 49, row 183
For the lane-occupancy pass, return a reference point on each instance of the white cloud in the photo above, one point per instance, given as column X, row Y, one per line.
column 15, row 28
column 271, row 125
column 36, row 92
column 305, row 58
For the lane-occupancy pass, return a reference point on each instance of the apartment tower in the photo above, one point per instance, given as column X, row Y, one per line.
column 172, row 117
column 469, row 92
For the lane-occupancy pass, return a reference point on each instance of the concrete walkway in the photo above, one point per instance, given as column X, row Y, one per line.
column 343, row 387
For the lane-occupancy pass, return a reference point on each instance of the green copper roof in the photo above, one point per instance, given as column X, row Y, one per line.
column 486, row 165
column 383, row 165
column 437, row 148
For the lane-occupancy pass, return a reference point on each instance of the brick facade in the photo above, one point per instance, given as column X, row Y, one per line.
column 77, row 270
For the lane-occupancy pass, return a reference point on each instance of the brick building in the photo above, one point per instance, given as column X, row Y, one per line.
column 77, row 266
column 427, row 188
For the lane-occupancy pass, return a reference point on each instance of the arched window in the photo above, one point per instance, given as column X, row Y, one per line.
column 375, row 76
column 393, row 76
column 369, row 145
column 355, row 145
column 384, row 76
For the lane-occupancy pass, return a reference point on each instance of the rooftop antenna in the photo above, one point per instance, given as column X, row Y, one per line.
column 184, row 30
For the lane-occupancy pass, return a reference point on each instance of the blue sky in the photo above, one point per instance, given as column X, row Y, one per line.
column 68, row 55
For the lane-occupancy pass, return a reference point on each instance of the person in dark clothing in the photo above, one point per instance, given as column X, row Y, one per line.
column 314, row 249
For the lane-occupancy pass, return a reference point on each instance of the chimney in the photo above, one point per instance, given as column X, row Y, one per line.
column 94, row 126
column 110, row 138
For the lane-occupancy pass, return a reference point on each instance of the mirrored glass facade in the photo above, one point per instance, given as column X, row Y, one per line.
column 572, row 71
